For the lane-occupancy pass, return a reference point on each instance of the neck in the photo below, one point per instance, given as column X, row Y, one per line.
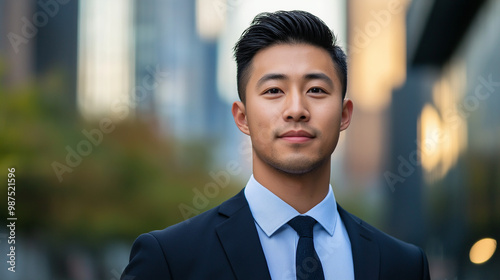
column 301, row 191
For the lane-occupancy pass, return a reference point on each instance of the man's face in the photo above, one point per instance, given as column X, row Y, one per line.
column 294, row 110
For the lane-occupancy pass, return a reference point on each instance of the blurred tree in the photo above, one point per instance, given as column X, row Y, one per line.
column 132, row 181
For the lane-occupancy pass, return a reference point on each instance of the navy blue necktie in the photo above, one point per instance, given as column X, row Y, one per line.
column 307, row 263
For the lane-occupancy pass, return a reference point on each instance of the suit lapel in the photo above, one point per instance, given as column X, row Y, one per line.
column 365, row 250
column 240, row 240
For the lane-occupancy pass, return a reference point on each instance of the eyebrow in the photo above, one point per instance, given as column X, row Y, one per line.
column 319, row 76
column 309, row 76
column 271, row 76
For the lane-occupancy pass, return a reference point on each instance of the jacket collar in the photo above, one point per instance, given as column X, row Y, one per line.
column 365, row 250
column 240, row 240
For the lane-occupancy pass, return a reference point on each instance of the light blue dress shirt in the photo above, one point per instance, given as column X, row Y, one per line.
column 279, row 240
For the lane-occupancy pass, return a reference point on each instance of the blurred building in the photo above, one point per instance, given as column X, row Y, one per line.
column 185, row 100
column 106, row 59
column 376, row 57
column 17, row 48
column 56, row 43
column 39, row 38
column 444, row 137
column 423, row 146
column 3, row 45
column 146, row 60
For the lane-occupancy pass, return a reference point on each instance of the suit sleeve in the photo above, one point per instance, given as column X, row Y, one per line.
column 425, row 271
column 147, row 260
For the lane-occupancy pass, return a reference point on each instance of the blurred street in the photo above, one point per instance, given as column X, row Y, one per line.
column 116, row 116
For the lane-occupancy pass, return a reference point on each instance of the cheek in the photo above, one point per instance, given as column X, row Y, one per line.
column 330, row 114
column 263, row 121
column 259, row 128
column 330, row 126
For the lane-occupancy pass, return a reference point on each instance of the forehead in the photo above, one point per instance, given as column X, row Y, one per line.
column 294, row 60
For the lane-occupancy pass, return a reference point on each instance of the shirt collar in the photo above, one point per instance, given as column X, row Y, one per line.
column 271, row 212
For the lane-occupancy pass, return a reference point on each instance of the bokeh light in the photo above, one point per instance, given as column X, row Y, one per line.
column 482, row 250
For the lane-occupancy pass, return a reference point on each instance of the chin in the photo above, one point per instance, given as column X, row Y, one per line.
column 298, row 166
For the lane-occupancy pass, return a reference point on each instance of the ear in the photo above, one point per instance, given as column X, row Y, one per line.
column 347, row 109
column 240, row 117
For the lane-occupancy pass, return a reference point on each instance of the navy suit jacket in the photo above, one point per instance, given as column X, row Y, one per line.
column 223, row 243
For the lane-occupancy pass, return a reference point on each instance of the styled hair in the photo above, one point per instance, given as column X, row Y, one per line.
column 285, row 27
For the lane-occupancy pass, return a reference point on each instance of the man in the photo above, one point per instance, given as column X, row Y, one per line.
column 285, row 224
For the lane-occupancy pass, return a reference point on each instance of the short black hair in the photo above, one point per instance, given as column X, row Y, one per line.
column 285, row 27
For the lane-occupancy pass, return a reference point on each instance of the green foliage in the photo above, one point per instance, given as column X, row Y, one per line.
column 132, row 182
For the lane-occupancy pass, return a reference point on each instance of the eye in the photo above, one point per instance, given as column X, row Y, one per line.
column 316, row 90
column 273, row 91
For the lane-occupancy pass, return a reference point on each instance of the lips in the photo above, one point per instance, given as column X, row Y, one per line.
column 296, row 136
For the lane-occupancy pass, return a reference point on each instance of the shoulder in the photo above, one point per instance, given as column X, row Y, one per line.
column 175, row 250
column 389, row 242
column 191, row 229
column 153, row 254
column 187, row 238
column 396, row 256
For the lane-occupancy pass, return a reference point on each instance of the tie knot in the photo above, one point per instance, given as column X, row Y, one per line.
column 303, row 225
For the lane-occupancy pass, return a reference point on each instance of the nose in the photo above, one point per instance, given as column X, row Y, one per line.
column 296, row 108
